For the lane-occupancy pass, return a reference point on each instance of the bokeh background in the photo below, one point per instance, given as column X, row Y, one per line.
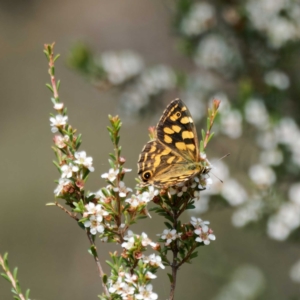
column 221, row 48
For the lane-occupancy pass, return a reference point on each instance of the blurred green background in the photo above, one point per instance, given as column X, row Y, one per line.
column 47, row 246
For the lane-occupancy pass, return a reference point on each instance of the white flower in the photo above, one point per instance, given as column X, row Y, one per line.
column 146, row 293
column 169, row 235
column 129, row 235
column 135, row 201
column 67, row 170
column 153, row 260
column 58, row 106
column 150, row 275
column 129, row 244
column 96, row 210
column 233, row 192
column 262, row 176
column 122, row 189
column 289, row 214
column 81, row 159
column 111, row 175
column 61, row 184
column 146, row 241
column 256, row 113
column 204, row 182
column 197, row 222
column 148, row 196
column 58, row 122
column 95, row 224
column 200, row 18
column 205, row 235
column 277, row 79
column 231, row 123
column 131, row 278
column 117, row 287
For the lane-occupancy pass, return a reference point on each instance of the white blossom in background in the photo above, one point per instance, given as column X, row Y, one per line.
column 201, row 203
column 146, row 293
column 200, row 18
column 57, row 122
column 266, row 16
column 295, row 272
column 81, row 159
column 273, row 157
column 247, row 282
column 294, row 193
column 263, row 176
column 67, row 170
column 256, row 113
column 121, row 66
column 249, row 212
column 157, row 79
column 231, row 124
column 287, row 131
column 277, row 79
column 111, row 175
column 266, row 139
column 213, row 52
column 233, row 192
column 134, row 99
column 277, row 229
column 61, row 184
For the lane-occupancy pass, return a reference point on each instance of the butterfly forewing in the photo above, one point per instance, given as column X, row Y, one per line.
column 177, row 131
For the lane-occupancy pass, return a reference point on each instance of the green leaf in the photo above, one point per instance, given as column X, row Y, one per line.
column 15, row 273
column 170, row 277
column 6, row 277
column 211, row 135
column 56, row 57
column 49, row 87
column 104, row 278
column 203, row 134
column 27, row 294
column 58, row 85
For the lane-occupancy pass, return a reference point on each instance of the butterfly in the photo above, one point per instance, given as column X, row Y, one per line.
column 173, row 156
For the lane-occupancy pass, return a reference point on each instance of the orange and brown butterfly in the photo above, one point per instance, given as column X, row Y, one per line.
column 173, row 156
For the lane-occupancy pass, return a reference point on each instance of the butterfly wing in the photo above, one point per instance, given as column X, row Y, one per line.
column 177, row 131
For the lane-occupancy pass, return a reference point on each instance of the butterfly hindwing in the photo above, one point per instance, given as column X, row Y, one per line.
column 160, row 166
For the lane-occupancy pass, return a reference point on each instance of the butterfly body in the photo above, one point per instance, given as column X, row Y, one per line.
column 173, row 156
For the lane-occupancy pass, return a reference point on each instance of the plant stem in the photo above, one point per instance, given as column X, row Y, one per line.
column 174, row 265
column 99, row 267
column 12, row 279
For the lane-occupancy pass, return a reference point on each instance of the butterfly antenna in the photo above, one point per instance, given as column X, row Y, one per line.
column 217, row 177
column 224, row 157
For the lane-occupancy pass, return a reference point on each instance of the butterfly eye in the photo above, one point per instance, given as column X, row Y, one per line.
column 146, row 175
